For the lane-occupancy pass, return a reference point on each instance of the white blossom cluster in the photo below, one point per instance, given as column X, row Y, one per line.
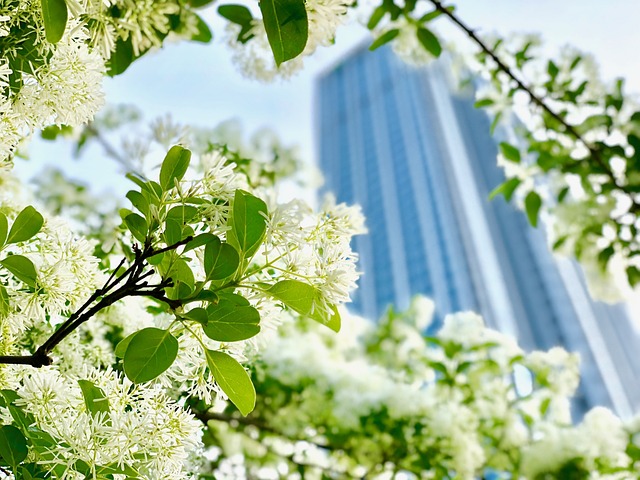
column 44, row 84
column 450, row 408
column 66, row 90
column 254, row 58
column 144, row 429
column 136, row 433
column 584, row 216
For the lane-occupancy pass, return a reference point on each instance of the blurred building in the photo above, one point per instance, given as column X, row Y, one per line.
column 420, row 160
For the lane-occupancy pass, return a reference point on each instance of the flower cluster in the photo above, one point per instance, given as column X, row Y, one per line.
column 137, row 430
column 465, row 403
column 51, row 67
column 579, row 170
column 252, row 53
column 214, row 265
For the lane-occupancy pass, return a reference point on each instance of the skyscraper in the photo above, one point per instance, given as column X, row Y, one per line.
column 418, row 157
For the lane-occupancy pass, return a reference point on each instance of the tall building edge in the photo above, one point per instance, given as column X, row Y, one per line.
column 418, row 157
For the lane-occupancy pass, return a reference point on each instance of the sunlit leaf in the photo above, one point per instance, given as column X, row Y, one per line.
column 285, row 22
column 26, row 225
column 233, row 380
column 54, row 16
column 150, row 352
column 174, row 166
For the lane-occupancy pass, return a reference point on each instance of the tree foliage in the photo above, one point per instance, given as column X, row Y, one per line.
column 123, row 337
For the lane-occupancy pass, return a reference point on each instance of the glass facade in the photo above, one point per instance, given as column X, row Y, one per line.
column 419, row 159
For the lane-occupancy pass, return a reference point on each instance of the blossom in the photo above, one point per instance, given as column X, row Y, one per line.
column 254, row 57
column 143, row 428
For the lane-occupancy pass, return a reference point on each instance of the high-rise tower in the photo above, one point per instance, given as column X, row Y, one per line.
column 419, row 159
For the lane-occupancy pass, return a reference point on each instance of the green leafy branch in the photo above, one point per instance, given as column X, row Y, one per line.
column 132, row 282
column 569, row 129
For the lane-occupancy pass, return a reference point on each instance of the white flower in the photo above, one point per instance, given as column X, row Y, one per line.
column 143, row 429
column 254, row 59
column 603, row 437
column 406, row 44
column 71, row 88
column 324, row 17
column 557, row 369
column 4, row 30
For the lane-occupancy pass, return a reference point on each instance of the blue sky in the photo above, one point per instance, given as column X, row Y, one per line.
column 198, row 84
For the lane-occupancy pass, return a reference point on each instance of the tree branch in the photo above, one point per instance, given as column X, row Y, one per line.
column 570, row 129
column 109, row 149
column 133, row 286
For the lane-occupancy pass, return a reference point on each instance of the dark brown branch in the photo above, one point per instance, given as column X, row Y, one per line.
column 570, row 129
column 105, row 297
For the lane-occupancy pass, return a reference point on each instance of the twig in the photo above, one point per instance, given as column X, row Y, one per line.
column 110, row 150
column 570, row 129
column 133, row 286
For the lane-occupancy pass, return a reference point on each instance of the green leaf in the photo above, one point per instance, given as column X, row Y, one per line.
column 559, row 242
column 203, row 32
column 506, row 189
column 53, row 131
column 234, row 297
column 5, row 305
column 376, row 16
column 137, row 226
column 183, row 213
column 483, row 102
column 139, row 201
column 552, row 69
column 181, row 272
column 115, row 469
column 633, row 275
column 156, row 259
column 149, row 353
column 4, row 229
column 604, row 256
column 428, row 17
column 121, row 348
column 495, row 122
column 510, row 152
column 22, row 268
column 233, row 380
column 532, row 204
column 94, row 398
column 221, row 260
column 199, row 240
column 306, row 300
column 228, row 322
column 54, row 16
column 197, row 315
column 240, row 15
column 384, row 38
column 286, row 24
column 172, row 231
column 174, row 166
column 204, row 296
column 13, row 445
column 249, row 222
column 593, row 122
column 121, row 58
column 26, row 225
column 429, row 41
